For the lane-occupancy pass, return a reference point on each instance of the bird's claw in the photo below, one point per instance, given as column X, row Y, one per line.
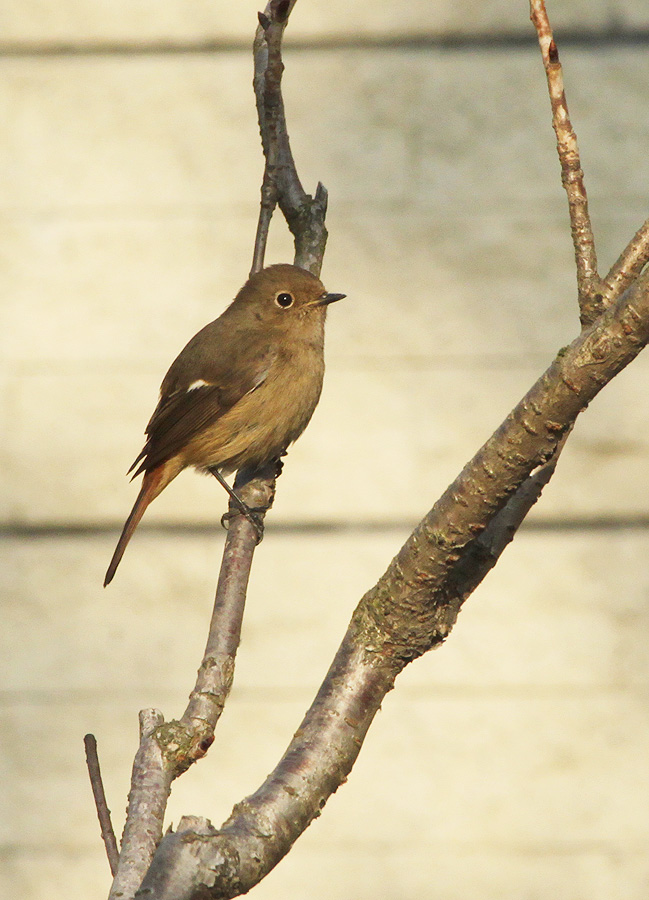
column 252, row 514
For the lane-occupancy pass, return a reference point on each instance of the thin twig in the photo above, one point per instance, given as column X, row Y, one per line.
column 103, row 812
column 589, row 284
column 266, row 210
column 305, row 215
column 595, row 293
column 267, row 82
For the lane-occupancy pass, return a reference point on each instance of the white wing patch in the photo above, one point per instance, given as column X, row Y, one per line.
column 199, row 383
column 260, row 380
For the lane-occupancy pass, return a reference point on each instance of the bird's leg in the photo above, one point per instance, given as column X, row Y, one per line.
column 251, row 514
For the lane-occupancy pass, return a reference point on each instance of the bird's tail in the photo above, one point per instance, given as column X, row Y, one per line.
column 152, row 484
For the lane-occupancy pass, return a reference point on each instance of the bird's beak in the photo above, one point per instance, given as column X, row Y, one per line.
column 326, row 299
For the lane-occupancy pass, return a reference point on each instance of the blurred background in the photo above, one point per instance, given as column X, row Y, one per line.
column 512, row 762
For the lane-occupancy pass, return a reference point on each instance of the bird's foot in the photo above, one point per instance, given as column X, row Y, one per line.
column 252, row 514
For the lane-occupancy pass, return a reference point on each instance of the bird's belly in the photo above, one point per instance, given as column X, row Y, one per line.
column 261, row 425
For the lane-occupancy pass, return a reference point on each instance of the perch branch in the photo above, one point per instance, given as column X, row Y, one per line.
column 589, row 284
column 167, row 749
column 103, row 813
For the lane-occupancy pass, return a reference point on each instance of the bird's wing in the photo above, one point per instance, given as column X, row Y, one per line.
column 191, row 406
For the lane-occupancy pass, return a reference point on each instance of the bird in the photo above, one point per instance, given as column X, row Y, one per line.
column 241, row 391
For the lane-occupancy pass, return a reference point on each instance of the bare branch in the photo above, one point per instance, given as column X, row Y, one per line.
column 304, row 214
column 482, row 554
column 217, row 668
column 266, row 210
column 412, row 608
column 595, row 294
column 147, row 800
column 267, row 82
column 103, row 813
column 589, row 284
column 629, row 264
column 261, row 829
column 167, row 749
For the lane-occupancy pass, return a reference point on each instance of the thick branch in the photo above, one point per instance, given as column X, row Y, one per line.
column 482, row 554
column 263, row 827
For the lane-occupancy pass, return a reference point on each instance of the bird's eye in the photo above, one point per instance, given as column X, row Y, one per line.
column 284, row 300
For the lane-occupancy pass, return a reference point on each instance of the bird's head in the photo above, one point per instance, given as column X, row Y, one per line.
column 283, row 294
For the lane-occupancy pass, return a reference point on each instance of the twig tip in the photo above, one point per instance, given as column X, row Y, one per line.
column 281, row 10
column 321, row 198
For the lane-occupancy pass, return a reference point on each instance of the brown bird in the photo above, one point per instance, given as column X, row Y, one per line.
column 242, row 390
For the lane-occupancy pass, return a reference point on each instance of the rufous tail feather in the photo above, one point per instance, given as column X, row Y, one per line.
column 152, row 484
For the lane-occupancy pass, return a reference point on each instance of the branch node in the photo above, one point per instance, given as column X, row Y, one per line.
column 321, row 197
column 150, row 719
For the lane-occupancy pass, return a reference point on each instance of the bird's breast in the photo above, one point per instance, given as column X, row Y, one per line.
column 261, row 425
